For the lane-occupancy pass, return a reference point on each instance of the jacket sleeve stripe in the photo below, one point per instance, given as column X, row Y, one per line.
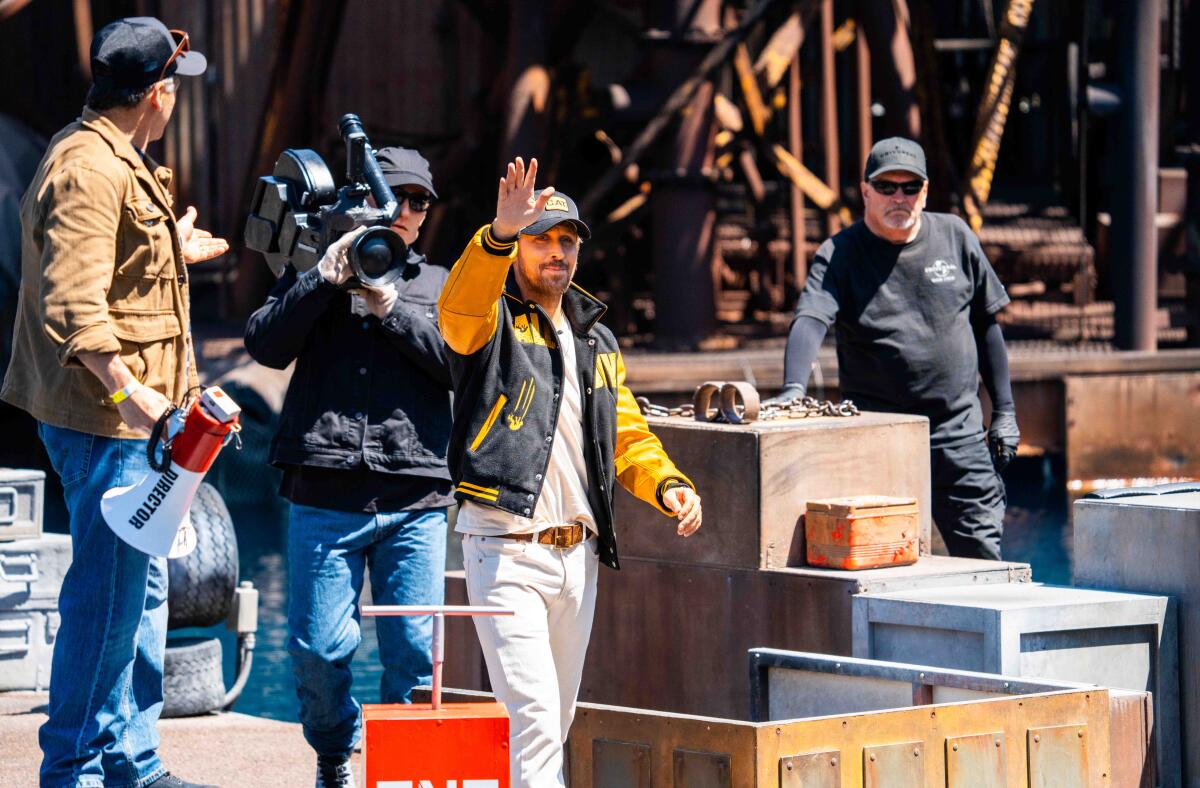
column 487, row 424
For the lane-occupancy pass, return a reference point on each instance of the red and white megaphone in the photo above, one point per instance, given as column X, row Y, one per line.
column 152, row 515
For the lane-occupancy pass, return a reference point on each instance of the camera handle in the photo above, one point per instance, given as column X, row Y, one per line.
column 361, row 163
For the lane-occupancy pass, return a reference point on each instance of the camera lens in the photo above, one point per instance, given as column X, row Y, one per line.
column 375, row 257
column 378, row 256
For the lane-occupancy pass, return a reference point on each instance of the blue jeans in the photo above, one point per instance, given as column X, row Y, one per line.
column 327, row 553
column 106, row 675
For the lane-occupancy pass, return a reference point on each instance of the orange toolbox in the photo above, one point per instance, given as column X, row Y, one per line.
column 862, row 532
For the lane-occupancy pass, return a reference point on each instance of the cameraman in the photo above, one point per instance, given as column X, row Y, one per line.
column 362, row 443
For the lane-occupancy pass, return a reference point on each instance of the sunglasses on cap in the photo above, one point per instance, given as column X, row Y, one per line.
column 184, row 45
column 888, row 188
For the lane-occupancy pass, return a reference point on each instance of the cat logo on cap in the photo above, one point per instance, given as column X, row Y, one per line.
column 557, row 203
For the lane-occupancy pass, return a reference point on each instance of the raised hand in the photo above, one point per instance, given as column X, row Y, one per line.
column 517, row 203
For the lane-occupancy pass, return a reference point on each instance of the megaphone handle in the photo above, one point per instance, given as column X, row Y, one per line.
column 156, row 435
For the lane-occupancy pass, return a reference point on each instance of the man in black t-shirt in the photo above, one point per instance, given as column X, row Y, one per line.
column 362, row 443
column 913, row 300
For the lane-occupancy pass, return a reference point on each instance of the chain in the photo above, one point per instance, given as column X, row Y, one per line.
column 799, row 408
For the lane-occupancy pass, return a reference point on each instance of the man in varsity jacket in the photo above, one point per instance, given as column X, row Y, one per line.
column 543, row 428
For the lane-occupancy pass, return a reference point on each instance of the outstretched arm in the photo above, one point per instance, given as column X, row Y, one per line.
column 1003, row 434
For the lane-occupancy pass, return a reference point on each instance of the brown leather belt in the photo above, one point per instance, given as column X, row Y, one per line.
column 560, row 537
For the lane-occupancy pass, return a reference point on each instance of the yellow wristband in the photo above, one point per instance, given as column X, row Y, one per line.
column 122, row 394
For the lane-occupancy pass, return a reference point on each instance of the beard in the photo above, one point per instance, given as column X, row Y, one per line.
column 899, row 219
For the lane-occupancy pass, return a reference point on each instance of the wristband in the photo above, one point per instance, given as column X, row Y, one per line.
column 122, row 394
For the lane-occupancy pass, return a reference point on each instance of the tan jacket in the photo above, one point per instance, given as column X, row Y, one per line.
column 101, row 271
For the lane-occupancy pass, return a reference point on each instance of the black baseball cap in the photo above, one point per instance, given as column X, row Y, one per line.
column 135, row 52
column 559, row 208
column 895, row 154
column 405, row 167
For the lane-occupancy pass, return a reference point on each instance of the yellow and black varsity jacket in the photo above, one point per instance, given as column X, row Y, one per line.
column 508, row 371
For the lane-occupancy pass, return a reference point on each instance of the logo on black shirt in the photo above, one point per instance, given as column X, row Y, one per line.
column 939, row 272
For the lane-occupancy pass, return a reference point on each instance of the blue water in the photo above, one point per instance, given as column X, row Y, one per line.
column 1036, row 532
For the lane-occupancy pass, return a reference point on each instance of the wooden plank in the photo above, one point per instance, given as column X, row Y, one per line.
column 749, row 84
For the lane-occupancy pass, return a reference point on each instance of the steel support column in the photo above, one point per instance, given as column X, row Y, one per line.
column 683, row 204
column 1134, row 250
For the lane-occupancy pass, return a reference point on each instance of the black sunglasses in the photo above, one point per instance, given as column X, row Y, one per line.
column 888, row 188
column 417, row 202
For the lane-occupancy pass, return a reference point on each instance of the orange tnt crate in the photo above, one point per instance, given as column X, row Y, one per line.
column 861, row 532
column 408, row 745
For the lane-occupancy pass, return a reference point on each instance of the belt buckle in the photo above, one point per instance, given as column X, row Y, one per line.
column 562, row 538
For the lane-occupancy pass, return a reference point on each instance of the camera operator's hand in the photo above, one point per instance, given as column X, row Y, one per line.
column 335, row 263
column 143, row 407
column 380, row 300
column 517, row 204
column 198, row 245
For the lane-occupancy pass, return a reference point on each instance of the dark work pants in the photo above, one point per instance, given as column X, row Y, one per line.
column 968, row 500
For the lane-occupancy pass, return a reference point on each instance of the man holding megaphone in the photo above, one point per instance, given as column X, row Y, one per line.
column 101, row 349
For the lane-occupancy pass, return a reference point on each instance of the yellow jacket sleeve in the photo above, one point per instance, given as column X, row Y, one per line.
column 642, row 464
column 467, row 307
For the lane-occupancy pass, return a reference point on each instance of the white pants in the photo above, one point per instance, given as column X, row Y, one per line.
column 534, row 658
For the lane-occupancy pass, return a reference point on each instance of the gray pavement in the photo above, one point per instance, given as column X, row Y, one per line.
column 229, row 750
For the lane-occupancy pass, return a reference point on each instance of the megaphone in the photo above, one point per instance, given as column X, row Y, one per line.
column 152, row 515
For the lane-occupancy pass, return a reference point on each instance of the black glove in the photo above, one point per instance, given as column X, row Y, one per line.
column 1002, row 439
column 791, row 392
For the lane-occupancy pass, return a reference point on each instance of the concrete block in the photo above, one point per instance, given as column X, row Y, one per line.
column 1120, row 640
column 1147, row 540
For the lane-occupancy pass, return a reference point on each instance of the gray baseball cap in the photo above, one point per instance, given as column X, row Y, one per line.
column 405, row 167
column 895, row 154
column 559, row 208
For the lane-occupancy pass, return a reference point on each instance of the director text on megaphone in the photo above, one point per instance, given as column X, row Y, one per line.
column 152, row 515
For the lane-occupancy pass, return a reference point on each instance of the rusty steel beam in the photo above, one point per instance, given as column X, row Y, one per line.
column 862, row 57
column 829, row 119
column 894, row 71
column 304, row 48
column 679, row 99
column 10, row 8
column 796, row 151
column 993, row 111
column 1134, row 249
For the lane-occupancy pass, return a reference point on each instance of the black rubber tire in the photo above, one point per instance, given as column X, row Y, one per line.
column 193, row 682
column 201, row 584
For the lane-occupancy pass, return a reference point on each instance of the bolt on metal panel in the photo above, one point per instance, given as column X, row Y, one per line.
column 976, row 761
column 812, row 770
column 894, row 765
column 620, row 763
column 1057, row 756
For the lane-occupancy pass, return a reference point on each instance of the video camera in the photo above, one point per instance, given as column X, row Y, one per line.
column 296, row 212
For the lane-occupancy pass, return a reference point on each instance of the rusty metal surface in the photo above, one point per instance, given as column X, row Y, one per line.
column 894, row 765
column 757, row 752
column 700, row 769
column 976, row 761
column 756, row 480
column 1131, row 720
column 1058, row 756
column 620, row 763
column 1121, row 426
column 811, row 770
